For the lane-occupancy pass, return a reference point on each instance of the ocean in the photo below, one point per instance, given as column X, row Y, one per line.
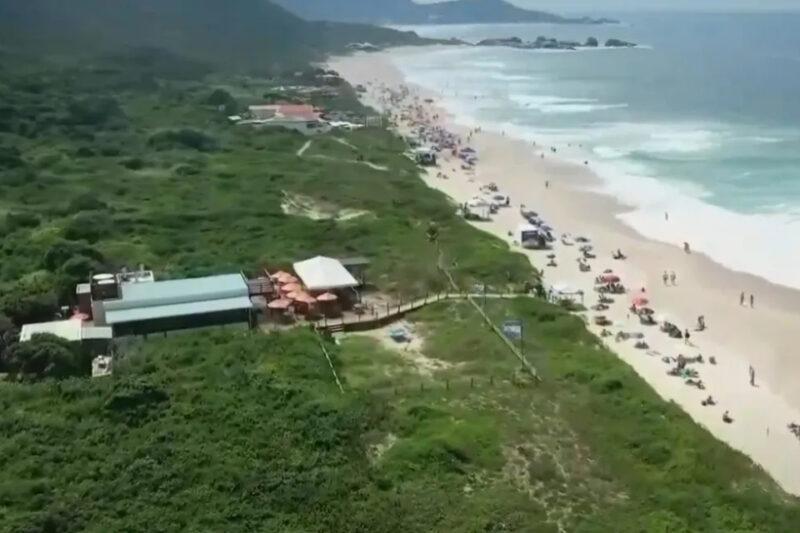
column 701, row 121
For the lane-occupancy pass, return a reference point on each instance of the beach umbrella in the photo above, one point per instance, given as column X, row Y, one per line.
column 608, row 271
column 551, row 256
column 282, row 303
column 284, row 278
column 640, row 301
column 305, row 298
column 610, row 278
column 291, row 287
column 294, row 295
column 646, row 311
column 327, row 297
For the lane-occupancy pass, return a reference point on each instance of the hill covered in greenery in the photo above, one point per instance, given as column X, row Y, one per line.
column 244, row 34
column 128, row 158
column 410, row 12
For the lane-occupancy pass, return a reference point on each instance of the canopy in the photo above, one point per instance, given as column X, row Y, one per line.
column 323, row 273
column 609, row 278
column 283, row 303
column 640, row 301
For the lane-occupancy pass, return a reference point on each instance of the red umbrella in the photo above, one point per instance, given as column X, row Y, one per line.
column 292, row 287
column 283, row 303
column 306, row 298
column 327, row 297
column 609, row 278
column 640, row 301
column 294, row 295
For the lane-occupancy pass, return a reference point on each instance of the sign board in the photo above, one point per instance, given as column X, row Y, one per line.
column 512, row 329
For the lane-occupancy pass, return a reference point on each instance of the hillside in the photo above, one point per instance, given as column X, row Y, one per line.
column 409, row 12
column 256, row 33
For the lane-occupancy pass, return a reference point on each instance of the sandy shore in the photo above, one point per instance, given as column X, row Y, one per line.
column 764, row 337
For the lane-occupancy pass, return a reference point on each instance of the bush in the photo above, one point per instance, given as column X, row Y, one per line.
column 88, row 225
column 44, row 356
column 93, row 111
column 24, row 307
column 133, row 163
column 184, row 138
column 62, row 251
column 15, row 221
column 86, row 202
column 10, row 158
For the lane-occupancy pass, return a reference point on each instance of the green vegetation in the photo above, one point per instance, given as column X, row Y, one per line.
column 254, row 35
column 236, row 431
column 129, row 159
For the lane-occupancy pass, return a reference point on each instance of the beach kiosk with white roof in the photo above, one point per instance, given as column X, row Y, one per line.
column 321, row 274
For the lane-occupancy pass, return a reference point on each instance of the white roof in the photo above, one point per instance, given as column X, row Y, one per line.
column 71, row 330
column 527, row 227
column 323, row 273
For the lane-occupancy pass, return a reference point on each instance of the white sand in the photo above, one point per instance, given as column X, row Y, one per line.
column 765, row 337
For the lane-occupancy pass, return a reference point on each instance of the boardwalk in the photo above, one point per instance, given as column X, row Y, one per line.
column 394, row 312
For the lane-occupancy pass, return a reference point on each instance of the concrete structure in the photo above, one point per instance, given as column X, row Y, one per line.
column 324, row 274
column 141, row 307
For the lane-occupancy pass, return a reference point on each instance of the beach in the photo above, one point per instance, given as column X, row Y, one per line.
column 737, row 336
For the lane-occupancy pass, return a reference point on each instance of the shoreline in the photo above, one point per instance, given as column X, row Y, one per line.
column 737, row 336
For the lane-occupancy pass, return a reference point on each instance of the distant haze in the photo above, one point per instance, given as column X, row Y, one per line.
column 600, row 6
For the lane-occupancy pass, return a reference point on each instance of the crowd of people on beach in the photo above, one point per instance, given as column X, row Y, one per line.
column 419, row 117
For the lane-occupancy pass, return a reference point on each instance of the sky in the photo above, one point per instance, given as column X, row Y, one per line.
column 590, row 6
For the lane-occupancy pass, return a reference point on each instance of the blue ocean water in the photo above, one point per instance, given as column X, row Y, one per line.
column 701, row 120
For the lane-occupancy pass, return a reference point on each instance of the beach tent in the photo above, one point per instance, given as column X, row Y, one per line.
column 529, row 236
column 563, row 291
column 478, row 208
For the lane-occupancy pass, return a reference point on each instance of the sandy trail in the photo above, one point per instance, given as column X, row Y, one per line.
column 764, row 337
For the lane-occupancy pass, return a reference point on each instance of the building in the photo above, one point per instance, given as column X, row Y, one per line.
column 321, row 274
column 357, row 266
column 139, row 305
column 95, row 338
column 303, row 118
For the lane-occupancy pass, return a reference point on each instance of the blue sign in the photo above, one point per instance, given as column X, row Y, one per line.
column 512, row 329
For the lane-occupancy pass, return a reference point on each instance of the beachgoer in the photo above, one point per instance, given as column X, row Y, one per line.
column 752, row 301
column 741, row 298
column 752, row 376
column 701, row 323
column 686, row 248
column 666, row 215
column 726, row 417
column 672, row 277
column 546, row 183
column 665, row 277
column 686, row 337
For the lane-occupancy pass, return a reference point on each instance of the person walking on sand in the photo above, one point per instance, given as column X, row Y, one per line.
column 673, row 278
column 686, row 248
column 666, row 215
column 686, row 337
column 752, row 301
column 665, row 277
column 741, row 298
column 752, row 376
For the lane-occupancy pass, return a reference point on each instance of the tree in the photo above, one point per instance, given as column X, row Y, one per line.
column 44, row 356
column 63, row 250
column 24, row 307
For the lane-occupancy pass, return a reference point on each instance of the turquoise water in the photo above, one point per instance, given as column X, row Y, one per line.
column 702, row 120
